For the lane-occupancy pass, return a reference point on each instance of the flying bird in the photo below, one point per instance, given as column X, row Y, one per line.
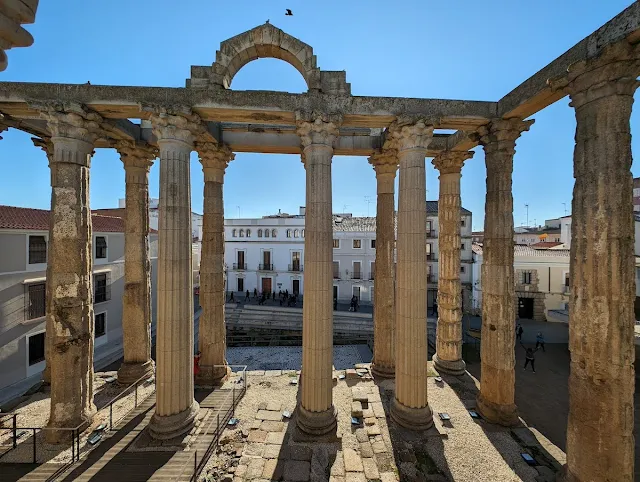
column 289, row 13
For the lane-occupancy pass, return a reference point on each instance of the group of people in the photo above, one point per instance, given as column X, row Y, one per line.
column 530, row 358
column 284, row 296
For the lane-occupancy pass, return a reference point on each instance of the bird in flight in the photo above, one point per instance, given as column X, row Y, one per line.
column 289, row 13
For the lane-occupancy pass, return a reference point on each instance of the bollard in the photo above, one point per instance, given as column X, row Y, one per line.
column 73, row 446
column 15, row 430
column 195, row 464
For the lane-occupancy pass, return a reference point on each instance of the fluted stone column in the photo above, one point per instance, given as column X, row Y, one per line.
column 176, row 408
column 600, row 441
column 448, row 356
column 212, row 331
column 316, row 414
column 136, row 300
column 385, row 165
column 410, row 407
column 70, row 314
column 496, row 400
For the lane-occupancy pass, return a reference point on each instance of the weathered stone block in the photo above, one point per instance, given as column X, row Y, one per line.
column 356, row 409
column 370, row 469
column 352, row 461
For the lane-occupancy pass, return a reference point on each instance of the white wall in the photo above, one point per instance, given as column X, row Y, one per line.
column 565, row 231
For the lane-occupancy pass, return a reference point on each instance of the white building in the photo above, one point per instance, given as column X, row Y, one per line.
column 154, row 205
column 24, row 242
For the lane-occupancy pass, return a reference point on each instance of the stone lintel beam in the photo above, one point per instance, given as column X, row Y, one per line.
column 535, row 93
column 136, row 299
column 448, row 356
column 251, row 107
column 70, row 316
column 315, row 409
column 212, row 332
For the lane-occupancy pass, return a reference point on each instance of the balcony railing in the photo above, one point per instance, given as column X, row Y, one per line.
column 265, row 267
column 239, row 266
column 295, row 267
column 432, row 278
column 336, row 275
column 566, row 290
column 432, row 234
column 356, row 275
column 372, row 276
column 431, row 257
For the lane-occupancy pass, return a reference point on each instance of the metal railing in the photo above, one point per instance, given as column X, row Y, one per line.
column 357, row 275
column 372, row 276
column 221, row 420
column 336, row 275
column 432, row 257
column 240, row 266
column 295, row 267
column 566, row 290
column 432, row 278
column 432, row 234
column 133, row 387
column 265, row 267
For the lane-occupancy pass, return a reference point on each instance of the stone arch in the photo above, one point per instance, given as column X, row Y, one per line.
column 265, row 41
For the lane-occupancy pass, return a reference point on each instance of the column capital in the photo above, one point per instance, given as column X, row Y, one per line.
column 613, row 72
column 384, row 161
column 176, row 124
column 214, row 159
column 409, row 133
column 71, row 121
column 317, row 128
column 500, row 135
column 46, row 145
column 451, row 162
column 135, row 155
column 3, row 127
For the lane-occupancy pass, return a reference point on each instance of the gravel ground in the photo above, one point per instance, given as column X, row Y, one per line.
column 35, row 413
column 287, row 357
column 464, row 451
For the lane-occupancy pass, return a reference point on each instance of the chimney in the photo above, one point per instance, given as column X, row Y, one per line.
column 279, row 211
column 302, row 210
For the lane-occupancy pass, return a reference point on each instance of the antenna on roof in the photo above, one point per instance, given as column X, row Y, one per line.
column 368, row 200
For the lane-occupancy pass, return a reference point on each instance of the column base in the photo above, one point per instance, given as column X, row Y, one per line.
column 56, row 437
column 316, row 423
column 505, row 415
column 382, row 371
column 215, row 376
column 457, row 367
column 411, row 418
column 131, row 372
column 173, row 426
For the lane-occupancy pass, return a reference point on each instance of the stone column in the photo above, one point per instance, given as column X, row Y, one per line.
column 136, row 300
column 176, row 408
column 496, row 400
column 448, row 356
column 410, row 407
column 316, row 414
column 385, row 165
column 600, row 441
column 70, row 314
column 212, row 331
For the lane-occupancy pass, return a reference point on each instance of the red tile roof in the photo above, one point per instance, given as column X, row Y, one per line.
column 12, row 217
column 545, row 245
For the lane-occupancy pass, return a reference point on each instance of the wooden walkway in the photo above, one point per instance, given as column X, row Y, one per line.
column 110, row 461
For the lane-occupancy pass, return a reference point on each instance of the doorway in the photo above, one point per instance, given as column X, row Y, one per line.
column 356, row 292
column 296, row 287
column 335, row 292
column 266, row 285
column 241, row 284
column 525, row 308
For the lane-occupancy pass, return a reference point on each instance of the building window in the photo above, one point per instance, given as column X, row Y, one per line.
column 240, row 284
column 373, row 244
column 259, row 233
column 234, row 233
column 462, row 246
column 296, row 233
column 336, row 270
column 37, row 249
column 35, row 348
column 266, row 233
column 101, row 292
column 242, row 233
column 273, row 233
column 462, row 222
column 462, row 269
column 35, row 301
column 526, row 278
column 357, row 244
column 288, row 233
column 336, row 243
column 303, row 233
column 100, row 328
column 248, row 233
column 101, row 247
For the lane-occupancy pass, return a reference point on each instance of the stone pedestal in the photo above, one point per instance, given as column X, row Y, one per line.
column 70, row 317
column 316, row 414
column 136, row 300
column 600, row 441
column 448, row 356
column 383, row 365
column 175, row 406
column 212, row 330
column 496, row 400
column 410, row 406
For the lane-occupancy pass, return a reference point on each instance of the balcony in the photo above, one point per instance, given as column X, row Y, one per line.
column 566, row 290
column 239, row 266
column 296, row 268
column 431, row 234
column 431, row 257
column 356, row 276
column 432, row 278
column 336, row 275
column 372, row 276
column 265, row 267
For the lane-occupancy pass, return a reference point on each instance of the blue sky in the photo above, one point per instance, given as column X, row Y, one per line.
column 453, row 50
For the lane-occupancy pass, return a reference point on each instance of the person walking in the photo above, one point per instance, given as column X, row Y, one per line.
column 274, row 296
column 540, row 341
column 255, row 293
column 530, row 358
column 519, row 331
column 231, row 300
column 196, row 364
column 246, row 298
